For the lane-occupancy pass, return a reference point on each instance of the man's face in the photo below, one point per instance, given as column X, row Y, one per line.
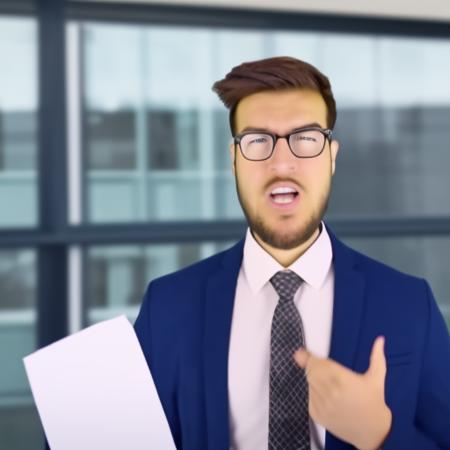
column 283, row 221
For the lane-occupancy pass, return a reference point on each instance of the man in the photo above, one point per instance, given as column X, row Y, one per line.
column 290, row 339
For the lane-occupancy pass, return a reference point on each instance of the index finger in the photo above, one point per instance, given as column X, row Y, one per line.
column 302, row 357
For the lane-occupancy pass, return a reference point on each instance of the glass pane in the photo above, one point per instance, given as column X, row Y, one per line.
column 18, row 122
column 156, row 137
column 395, row 138
column 20, row 427
column 424, row 257
column 116, row 276
column 110, row 139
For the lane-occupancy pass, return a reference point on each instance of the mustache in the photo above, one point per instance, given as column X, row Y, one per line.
column 281, row 180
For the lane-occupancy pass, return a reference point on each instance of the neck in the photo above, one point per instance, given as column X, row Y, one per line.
column 287, row 257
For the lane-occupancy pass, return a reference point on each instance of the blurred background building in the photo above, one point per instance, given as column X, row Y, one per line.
column 114, row 165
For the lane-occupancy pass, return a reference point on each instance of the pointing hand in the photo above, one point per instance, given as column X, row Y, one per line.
column 349, row 404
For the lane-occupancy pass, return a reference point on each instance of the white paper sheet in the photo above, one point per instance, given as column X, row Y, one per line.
column 94, row 391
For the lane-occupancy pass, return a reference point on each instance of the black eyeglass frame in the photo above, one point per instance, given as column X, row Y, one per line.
column 327, row 133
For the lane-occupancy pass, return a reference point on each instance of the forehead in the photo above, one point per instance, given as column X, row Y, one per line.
column 281, row 111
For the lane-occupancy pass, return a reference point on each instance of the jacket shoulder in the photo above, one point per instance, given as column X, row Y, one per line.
column 391, row 288
column 372, row 268
column 383, row 272
column 194, row 275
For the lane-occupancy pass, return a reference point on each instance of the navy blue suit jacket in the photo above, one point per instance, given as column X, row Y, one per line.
column 184, row 330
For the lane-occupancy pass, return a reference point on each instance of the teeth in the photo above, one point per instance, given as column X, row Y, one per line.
column 283, row 190
column 284, row 199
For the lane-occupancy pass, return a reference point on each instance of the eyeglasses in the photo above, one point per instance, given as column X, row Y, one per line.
column 304, row 143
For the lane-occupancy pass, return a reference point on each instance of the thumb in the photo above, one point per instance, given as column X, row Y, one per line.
column 377, row 366
column 301, row 357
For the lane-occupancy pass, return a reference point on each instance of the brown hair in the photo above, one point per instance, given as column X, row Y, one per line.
column 277, row 73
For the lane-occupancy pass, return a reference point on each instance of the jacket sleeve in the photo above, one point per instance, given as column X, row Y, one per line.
column 433, row 405
column 431, row 429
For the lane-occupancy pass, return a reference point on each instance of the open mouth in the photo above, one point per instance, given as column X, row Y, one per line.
column 283, row 195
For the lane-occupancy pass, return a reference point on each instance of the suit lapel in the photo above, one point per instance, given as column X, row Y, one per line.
column 348, row 305
column 220, row 294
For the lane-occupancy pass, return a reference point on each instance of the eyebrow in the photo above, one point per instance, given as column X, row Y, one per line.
column 264, row 130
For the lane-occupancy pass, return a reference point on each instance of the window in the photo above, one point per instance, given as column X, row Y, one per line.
column 157, row 138
column 18, row 122
column 19, row 422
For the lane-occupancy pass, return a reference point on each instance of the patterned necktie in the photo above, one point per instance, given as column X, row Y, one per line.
column 288, row 415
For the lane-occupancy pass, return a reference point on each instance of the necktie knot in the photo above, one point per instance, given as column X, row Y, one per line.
column 286, row 283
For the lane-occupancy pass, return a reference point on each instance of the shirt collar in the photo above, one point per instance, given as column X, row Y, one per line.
column 313, row 266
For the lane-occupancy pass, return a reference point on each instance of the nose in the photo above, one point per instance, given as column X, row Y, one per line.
column 282, row 160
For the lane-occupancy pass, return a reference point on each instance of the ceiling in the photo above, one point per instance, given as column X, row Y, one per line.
column 414, row 9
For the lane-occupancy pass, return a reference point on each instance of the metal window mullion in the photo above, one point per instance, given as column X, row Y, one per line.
column 74, row 133
column 2, row 144
column 142, row 132
column 177, row 232
column 83, row 125
column 52, row 162
column 75, row 289
column 206, row 162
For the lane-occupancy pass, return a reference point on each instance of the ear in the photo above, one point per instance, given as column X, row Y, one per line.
column 334, row 148
column 233, row 157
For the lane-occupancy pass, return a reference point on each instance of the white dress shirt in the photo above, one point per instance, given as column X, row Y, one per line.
column 249, row 353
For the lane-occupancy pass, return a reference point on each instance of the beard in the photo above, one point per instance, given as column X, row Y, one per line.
column 277, row 237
